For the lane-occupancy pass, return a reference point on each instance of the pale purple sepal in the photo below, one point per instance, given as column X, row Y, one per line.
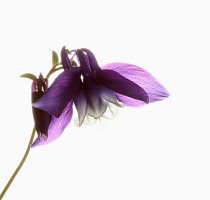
column 141, row 77
column 56, row 126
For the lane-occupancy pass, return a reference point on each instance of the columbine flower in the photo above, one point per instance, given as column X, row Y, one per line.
column 93, row 89
column 48, row 128
column 41, row 118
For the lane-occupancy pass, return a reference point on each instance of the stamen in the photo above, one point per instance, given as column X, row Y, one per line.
column 100, row 120
column 72, row 57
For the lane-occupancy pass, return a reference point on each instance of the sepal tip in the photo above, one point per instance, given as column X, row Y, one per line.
column 55, row 59
column 29, row 76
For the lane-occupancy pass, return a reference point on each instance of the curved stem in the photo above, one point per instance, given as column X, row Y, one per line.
column 52, row 69
column 20, row 165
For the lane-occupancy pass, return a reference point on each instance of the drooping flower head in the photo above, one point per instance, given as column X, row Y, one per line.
column 48, row 127
column 93, row 89
column 42, row 119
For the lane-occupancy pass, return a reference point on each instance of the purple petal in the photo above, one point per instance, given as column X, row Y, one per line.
column 96, row 104
column 81, row 106
column 65, row 59
column 61, row 92
column 84, row 63
column 118, row 83
column 57, row 126
column 144, row 79
column 92, row 60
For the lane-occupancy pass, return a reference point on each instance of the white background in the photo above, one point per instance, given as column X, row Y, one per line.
column 160, row 151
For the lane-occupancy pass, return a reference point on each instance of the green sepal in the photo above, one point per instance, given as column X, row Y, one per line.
column 55, row 59
column 28, row 75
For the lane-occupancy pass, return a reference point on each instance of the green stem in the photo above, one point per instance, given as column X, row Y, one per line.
column 52, row 71
column 20, row 165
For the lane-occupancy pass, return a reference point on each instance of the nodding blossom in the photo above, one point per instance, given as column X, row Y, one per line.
column 48, row 128
column 41, row 118
column 96, row 91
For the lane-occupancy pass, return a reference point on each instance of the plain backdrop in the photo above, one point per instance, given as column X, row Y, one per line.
column 160, row 151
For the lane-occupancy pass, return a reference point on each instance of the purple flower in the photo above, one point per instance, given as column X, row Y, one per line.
column 94, row 91
column 48, row 128
column 41, row 118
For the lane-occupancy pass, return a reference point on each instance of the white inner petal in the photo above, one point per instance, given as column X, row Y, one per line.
column 89, row 120
column 111, row 111
column 76, row 122
column 109, row 95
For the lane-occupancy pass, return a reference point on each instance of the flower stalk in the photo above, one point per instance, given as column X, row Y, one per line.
column 20, row 164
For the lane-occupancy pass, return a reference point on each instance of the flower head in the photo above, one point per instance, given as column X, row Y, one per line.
column 41, row 118
column 48, row 128
column 95, row 90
